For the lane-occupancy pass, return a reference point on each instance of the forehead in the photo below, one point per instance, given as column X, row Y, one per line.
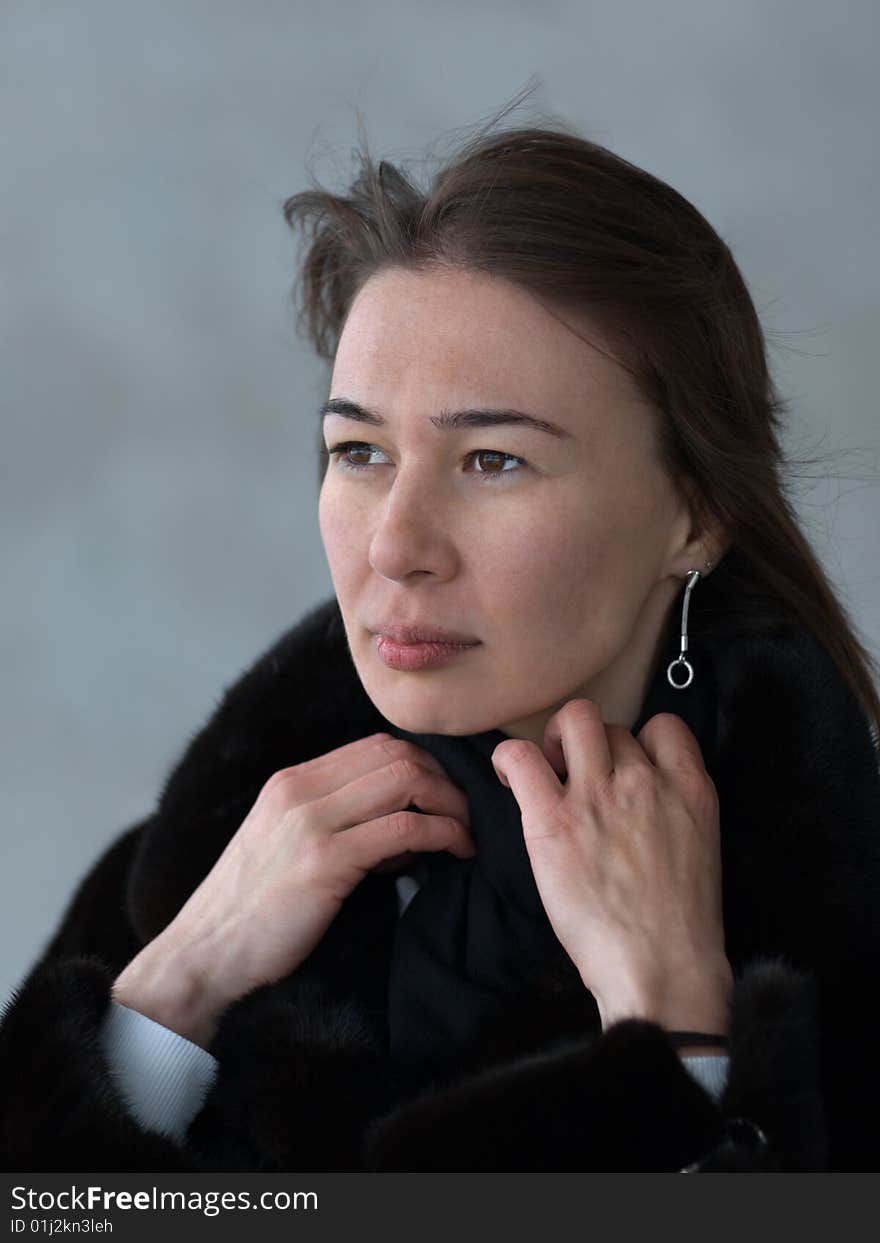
column 451, row 333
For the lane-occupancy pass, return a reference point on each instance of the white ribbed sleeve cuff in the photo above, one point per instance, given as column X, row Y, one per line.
column 710, row 1071
column 163, row 1077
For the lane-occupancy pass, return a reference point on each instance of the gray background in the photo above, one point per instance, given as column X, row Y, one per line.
column 159, row 519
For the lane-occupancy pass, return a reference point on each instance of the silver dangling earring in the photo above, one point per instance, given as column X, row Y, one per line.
column 693, row 577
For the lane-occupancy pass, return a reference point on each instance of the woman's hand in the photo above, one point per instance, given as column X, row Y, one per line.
column 626, row 855
column 314, row 832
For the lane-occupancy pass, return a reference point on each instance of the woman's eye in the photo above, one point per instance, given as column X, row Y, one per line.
column 343, row 451
column 352, row 446
column 497, row 454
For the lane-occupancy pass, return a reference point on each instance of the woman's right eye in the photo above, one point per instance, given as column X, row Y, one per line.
column 341, row 450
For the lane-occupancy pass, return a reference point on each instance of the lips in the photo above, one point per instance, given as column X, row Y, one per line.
column 409, row 657
column 405, row 634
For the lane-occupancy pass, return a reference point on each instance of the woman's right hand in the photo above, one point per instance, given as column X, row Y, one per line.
column 314, row 832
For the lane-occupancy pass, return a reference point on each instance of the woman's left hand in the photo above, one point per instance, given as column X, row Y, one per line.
column 626, row 855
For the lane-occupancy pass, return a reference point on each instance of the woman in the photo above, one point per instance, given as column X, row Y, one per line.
column 582, row 880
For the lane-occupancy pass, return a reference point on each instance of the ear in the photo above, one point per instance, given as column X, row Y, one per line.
column 701, row 537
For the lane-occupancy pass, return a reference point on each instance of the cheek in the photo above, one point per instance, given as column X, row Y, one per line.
column 557, row 560
column 572, row 580
column 342, row 529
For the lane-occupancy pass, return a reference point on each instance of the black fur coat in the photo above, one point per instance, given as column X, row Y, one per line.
column 303, row 1082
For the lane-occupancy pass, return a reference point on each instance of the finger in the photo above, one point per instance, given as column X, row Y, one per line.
column 670, row 743
column 577, row 733
column 554, row 753
column 522, row 766
column 625, row 749
column 327, row 772
column 389, row 789
column 367, row 844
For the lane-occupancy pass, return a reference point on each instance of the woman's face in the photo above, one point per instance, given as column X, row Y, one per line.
column 561, row 552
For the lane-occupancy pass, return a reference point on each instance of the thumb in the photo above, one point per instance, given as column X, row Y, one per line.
column 502, row 777
column 523, row 768
column 498, row 765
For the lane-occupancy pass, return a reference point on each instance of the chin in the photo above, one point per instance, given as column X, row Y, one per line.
column 415, row 722
column 425, row 717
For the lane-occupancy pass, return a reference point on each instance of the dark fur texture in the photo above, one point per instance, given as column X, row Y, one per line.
column 304, row 1081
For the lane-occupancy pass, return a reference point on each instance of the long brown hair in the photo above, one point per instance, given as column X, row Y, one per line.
column 582, row 229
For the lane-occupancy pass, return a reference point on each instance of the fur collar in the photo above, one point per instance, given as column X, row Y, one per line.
column 781, row 732
column 303, row 1066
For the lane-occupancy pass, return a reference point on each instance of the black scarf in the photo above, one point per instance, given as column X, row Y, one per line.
column 476, row 969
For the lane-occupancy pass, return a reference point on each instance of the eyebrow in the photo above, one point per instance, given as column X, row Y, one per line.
column 451, row 420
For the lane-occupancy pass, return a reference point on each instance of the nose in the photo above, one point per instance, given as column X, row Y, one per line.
column 411, row 532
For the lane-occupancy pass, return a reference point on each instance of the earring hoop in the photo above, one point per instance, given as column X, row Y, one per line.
column 693, row 577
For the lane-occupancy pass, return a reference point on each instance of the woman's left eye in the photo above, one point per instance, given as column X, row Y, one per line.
column 342, row 450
